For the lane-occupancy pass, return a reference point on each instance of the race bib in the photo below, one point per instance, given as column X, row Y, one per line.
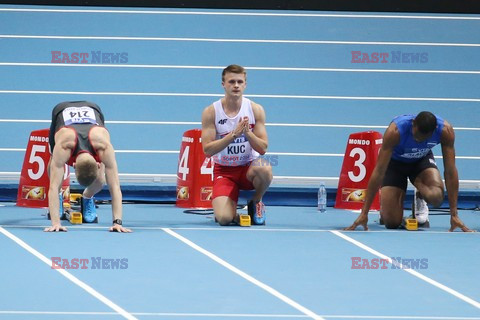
column 78, row 115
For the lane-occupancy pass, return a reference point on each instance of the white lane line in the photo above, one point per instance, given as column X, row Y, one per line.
column 192, row 123
column 242, row 229
column 290, row 154
column 275, row 96
column 69, row 276
column 244, row 275
column 334, row 42
column 314, row 125
column 248, row 14
column 234, row 315
column 83, row 313
column 161, row 314
column 156, row 66
column 161, row 94
column 437, row 284
column 400, row 317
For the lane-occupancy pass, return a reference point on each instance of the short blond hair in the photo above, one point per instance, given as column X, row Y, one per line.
column 86, row 169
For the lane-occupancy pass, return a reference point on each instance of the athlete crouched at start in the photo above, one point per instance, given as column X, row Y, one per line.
column 234, row 134
column 79, row 138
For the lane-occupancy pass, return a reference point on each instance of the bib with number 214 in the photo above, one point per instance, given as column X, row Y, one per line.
column 79, row 115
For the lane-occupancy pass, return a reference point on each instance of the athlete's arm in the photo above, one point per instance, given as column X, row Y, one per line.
column 450, row 172
column 107, row 155
column 210, row 145
column 61, row 154
column 390, row 139
column 258, row 137
column 451, row 175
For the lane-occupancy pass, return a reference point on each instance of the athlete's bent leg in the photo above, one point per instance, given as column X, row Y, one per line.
column 225, row 197
column 89, row 210
column 225, row 210
column 430, row 185
column 260, row 174
column 391, row 206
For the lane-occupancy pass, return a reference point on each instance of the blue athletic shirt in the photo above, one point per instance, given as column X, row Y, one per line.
column 409, row 150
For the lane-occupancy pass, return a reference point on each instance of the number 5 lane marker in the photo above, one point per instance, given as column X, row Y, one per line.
column 244, row 275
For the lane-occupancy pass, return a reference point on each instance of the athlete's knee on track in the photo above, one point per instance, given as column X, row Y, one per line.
column 392, row 225
column 223, row 220
column 391, row 220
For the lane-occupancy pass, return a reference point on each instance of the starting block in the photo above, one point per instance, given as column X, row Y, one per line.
column 410, row 224
column 74, row 217
column 72, row 209
column 75, row 198
column 245, row 220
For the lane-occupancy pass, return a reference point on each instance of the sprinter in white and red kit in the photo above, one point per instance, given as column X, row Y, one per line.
column 234, row 134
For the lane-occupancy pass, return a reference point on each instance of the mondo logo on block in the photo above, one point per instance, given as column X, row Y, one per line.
column 358, row 164
column 194, row 174
column 34, row 181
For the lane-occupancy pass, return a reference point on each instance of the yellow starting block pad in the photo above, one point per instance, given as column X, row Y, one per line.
column 75, row 217
column 411, row 224
column 75, row 197
column 245, row 220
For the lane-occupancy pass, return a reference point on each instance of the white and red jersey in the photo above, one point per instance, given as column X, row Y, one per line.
column 239, row 152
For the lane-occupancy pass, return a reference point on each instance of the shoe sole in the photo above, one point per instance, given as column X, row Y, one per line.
column 94, row 220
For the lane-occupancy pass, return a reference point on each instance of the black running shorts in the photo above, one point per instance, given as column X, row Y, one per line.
column 398, row 171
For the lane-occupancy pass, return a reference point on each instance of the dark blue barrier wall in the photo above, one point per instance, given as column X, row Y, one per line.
column 438, row 6
column 275, row 196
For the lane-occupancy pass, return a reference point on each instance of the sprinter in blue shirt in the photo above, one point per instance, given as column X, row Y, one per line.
column 406, row 153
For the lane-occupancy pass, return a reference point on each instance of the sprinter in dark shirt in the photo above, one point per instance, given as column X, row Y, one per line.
column 79, row 138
